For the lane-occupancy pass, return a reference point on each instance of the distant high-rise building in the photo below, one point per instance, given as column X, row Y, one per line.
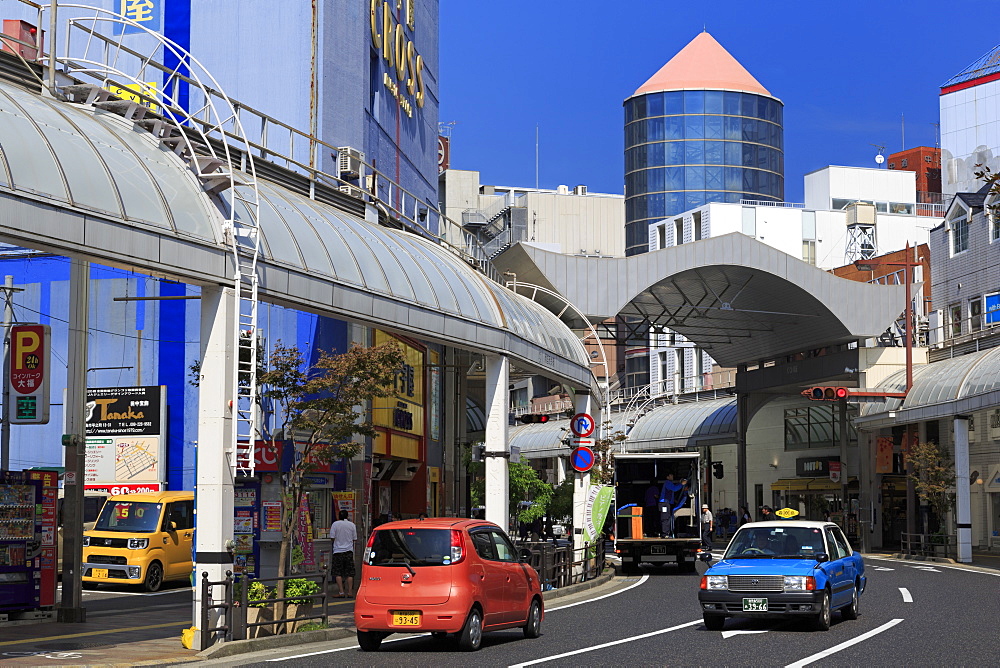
column 700, row 130
column 969, row 118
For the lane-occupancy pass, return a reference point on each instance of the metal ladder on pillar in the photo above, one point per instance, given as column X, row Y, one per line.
column 198, row 125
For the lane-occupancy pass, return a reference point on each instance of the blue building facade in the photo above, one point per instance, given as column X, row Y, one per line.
column 701, row 130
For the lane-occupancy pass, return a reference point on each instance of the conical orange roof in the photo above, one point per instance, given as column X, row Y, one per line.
column 703, row 63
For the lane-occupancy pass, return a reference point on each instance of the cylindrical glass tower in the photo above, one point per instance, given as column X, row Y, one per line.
column 701, row 130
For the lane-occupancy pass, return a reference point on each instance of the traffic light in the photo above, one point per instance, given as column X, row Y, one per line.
column 826, row 393
column 717, row 470
column 533, row 418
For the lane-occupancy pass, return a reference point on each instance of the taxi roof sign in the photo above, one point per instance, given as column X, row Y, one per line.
column 786, row 513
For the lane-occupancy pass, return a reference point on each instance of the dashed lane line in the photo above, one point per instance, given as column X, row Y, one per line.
column 642, row 580
column 844, row 645
column 907, row 596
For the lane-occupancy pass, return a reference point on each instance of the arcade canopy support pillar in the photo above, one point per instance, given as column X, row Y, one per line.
column 214, row 481
column 497, row 451
column 963, row 501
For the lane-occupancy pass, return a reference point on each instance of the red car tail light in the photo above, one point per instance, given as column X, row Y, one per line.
column 457, row 546
column 368, row 549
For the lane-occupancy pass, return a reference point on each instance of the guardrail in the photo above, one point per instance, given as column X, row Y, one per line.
column 266, row 616
column 929, row 544
column 562, row 565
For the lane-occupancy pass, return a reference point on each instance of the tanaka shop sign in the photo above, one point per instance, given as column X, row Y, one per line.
column 117, row 411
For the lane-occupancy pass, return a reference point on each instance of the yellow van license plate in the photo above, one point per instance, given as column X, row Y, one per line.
column 406, row 618
column 100, row 573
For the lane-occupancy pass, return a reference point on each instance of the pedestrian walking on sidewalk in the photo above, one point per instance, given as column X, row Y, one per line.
column 707, row 524
column 344, row 535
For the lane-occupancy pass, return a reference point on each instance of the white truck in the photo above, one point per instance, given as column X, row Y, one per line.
column 638, row 528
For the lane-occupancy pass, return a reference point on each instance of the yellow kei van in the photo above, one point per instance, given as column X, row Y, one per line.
column 140, row 539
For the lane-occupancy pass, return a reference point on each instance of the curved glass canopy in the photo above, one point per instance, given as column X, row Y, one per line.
column 96, row 162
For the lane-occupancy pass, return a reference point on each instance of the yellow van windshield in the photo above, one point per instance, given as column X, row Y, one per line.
column 129, row 516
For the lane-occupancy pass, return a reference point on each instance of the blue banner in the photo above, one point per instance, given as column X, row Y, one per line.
column 992, row 308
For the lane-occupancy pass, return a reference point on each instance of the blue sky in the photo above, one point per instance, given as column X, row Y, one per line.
column 846, row 71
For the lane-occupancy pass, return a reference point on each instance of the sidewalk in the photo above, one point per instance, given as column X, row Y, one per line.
column 120, row 638
column 984, row 560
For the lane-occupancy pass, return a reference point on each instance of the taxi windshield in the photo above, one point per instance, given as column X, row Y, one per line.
column 776, row 543
column 130, row 517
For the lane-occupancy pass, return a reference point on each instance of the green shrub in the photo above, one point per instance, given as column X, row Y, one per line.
column 299, row 587
column 256, row 596
column 311, row 626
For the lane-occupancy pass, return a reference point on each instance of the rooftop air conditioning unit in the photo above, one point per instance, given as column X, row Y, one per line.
column 580, row 190
column 353, row 191
column 349, row 162
column 860, row 213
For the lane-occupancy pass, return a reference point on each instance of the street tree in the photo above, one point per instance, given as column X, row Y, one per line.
column 319, row 411
column 933, row 477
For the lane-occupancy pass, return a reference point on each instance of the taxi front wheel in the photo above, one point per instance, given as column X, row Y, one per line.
column 822, row 621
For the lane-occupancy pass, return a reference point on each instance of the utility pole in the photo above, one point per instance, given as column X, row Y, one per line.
column 74, row 439
column 8, row 318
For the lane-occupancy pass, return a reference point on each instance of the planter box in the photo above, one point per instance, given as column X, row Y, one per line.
column 297, row 610
column 257, row 615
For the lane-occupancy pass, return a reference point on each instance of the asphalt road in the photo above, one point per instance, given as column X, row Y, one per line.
column 913, row 614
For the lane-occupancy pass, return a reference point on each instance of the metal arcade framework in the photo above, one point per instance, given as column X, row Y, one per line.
column 191, row 115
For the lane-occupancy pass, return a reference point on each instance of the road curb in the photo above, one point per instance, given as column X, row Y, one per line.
column 919, row 557
column 237, row 647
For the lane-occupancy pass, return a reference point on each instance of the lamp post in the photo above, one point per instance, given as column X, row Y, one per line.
column 907, row 263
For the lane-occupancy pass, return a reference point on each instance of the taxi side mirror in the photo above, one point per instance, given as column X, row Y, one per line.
column 822, row 556
column 524, row 555
column 170, row 526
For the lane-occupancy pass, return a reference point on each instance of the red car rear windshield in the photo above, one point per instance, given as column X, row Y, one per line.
column 411, row 547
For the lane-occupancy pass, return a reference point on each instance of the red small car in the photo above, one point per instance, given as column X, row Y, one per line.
column 445, row 576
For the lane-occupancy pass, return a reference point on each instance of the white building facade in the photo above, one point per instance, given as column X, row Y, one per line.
column 815, row 231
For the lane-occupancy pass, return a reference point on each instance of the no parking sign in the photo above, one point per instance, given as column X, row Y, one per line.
column 582, row 459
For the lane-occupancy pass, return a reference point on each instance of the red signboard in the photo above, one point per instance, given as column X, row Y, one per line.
column 28, row 374
column 116, row 490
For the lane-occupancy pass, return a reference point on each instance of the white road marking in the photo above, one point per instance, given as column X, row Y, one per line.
column 607, row 644
column 642, row 580
column 844, row 645
column 341, row 649
column 883, row 568
column 907, row 597
column 967, row 570
column 929, row 569
column 730, row 634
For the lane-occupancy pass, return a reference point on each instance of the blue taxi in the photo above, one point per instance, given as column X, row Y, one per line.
column 788, row 568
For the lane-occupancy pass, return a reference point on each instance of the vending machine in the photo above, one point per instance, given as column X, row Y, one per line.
column 20, row 541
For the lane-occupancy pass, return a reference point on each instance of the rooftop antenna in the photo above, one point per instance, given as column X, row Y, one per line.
column 879, row 158
column 536, row 156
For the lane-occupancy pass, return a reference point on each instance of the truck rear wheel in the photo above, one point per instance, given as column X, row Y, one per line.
column 630, row 568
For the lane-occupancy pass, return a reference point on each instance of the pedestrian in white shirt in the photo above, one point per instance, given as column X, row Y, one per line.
column 707, row 524
column 344, row 535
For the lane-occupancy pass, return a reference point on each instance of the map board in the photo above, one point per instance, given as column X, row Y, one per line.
column 125, row 439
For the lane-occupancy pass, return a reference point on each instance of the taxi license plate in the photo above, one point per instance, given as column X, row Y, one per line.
column 99, row 573
column 755, row 605
column 406, row 618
